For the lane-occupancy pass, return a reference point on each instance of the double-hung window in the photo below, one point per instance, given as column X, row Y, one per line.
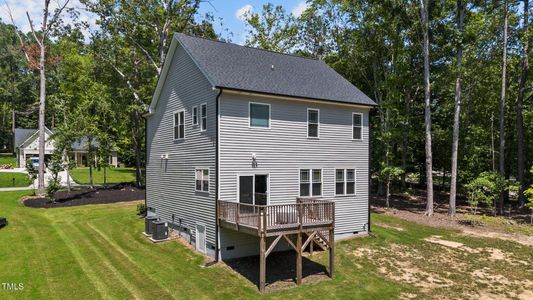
column 179, row 125
column 202, row 180
column 259, row 115
column 357, row 126
column 203, row 119
column 313, row 121
column 310, row 182
column 195, row 115
column 345, row 182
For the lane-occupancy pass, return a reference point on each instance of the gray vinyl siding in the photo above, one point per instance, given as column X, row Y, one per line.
column 170, row 183
column 284, row 148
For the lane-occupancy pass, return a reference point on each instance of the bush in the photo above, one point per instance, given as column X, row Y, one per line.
column 486, row 188
column 141, row 209
column 52, row 187
column 54, row 183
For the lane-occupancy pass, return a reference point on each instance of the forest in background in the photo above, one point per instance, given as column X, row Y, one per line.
column 476, row 63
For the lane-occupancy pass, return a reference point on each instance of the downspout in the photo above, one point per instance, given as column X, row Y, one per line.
column 217, row 148
column 145, row 117
column 369, row 167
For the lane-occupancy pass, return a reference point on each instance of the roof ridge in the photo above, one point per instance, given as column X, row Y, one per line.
column 250, row 47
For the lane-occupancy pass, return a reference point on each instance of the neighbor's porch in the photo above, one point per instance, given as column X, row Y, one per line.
column 309, row 222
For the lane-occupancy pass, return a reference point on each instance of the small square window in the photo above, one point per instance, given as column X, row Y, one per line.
column 259, row 115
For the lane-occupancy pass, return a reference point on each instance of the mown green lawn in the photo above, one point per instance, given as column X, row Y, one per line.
column 114, row 175
column 9, row 179
column 8, row 159
column 98, row 251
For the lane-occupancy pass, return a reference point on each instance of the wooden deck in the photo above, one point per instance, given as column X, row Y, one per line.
column 312, row 219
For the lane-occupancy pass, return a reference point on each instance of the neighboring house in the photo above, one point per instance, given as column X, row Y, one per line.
column 27, row 146
column 282, row 142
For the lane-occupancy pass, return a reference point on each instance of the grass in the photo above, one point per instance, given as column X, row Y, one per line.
column 10, row 179
column 98, row 251
column 8, row 159
column 114, row 175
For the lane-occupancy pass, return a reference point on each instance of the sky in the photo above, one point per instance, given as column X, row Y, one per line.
column 228, row 12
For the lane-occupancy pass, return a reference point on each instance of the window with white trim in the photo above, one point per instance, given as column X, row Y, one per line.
column 195, row 115
column 357, row 126
column 203, row 120
column 344, row 181
column 310, row 182
column 202, row 180
column 259, row 115
column 313, row 121
column 179, row 125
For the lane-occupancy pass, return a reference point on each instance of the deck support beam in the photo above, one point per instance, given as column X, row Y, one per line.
column 331, row 253
column 299, row 258
column 262, row 263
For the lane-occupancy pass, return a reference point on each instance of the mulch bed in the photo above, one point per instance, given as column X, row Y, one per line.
column 84, row 196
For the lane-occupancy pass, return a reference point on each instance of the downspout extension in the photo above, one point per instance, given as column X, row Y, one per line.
column 217, row 241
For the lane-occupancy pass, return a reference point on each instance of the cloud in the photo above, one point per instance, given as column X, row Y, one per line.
column 243, row 12
column 35, row 10
column 299, row 9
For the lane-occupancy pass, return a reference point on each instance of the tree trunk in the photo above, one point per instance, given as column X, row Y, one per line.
column 457, row 111
column 427, row 105
column 42, row 107
column 388, row 192
column 13, row 126
column 138, row 149
column 67, row 169
column 90, row 162
column 502, row 103
column 521, row 168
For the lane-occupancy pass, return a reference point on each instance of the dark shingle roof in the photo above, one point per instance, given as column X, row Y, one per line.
column 243, row 68
column 22, row 134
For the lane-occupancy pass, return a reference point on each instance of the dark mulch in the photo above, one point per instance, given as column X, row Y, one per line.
column 84, row 196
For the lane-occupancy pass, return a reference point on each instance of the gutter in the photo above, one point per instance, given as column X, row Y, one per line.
column 217, row 147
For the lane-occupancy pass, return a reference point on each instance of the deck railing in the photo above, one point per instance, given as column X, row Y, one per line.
column 303, row 213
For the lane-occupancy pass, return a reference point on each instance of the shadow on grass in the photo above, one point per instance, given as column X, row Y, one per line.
column 280, row 270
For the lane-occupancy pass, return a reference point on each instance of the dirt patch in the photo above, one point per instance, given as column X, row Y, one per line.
column 389, row 226
column 279, row 278
column 85, row 196
column 436, row 239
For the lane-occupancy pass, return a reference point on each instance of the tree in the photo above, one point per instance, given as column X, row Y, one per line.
column 389, row 174
column 521, row 163
column 55, row 165
column 502, row 101
column 133, row 41
column 40, row 39
column 272, row 29
column 457, row 110
column 427, row 111
column 32, row 172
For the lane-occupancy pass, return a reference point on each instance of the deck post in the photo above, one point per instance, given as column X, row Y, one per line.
column 262, row 263
column 299, row 258
column 331, row 252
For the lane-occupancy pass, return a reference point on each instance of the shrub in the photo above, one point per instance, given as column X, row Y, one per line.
column 55, row 165
column 32, row 172
column 52, row 187
column 529, row 196
column 486, row 188
column 141, row 209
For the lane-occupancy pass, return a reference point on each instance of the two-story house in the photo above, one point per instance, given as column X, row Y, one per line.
column 251, row 151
